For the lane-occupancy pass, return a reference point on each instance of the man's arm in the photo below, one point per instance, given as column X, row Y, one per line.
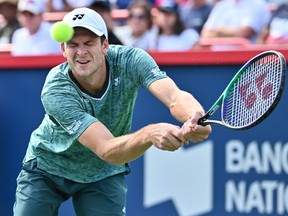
column 118, row 150
column 183, row 107
column 122, row 149
column 222, row 31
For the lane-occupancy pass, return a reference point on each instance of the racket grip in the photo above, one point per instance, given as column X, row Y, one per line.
column 202, row 120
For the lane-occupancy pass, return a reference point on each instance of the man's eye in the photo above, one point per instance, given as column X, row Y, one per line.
column 90, row 44
column 71, row 45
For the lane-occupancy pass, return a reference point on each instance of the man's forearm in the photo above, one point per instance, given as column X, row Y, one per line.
column 184, row 107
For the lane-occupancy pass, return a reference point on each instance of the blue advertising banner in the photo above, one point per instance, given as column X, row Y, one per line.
column 230, row 173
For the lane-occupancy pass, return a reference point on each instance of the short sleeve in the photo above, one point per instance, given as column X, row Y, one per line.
column 144, row 68
column 66, row 107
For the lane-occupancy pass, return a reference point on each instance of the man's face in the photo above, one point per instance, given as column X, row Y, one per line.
column 85, row 53
column 30, row 21
column 138, row 21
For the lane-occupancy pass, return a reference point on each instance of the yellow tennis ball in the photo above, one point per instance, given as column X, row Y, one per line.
column 61, row 31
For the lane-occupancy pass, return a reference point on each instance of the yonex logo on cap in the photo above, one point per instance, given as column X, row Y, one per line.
column 87, row 18
column 78, row 16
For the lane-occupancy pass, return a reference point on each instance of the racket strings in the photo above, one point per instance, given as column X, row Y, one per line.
column 253, row 92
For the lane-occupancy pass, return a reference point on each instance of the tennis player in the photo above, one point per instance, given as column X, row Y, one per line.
column 83, row 145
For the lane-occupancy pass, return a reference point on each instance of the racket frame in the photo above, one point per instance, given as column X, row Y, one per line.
column 219, row 102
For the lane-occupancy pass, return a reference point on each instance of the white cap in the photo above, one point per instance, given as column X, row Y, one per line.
column 33, row 6
column 86, row 18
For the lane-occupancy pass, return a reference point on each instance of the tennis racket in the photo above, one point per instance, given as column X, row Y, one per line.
column 252, row 94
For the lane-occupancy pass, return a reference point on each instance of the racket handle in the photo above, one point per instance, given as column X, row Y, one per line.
column 202, row 120
column 211, row 111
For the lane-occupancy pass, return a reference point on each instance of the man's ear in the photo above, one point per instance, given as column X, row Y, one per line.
column 105, row 46
column 63, row 50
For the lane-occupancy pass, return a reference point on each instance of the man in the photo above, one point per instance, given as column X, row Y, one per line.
column 83, row 146
column 34, row 36
column 195, row 13
column 276, row 31
column 8, row 9
column 237, row 18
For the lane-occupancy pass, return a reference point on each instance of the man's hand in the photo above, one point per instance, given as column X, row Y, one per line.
column 194, row 132
column 167, row 136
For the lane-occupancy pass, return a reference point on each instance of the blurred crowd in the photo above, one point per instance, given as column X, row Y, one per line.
column 158, row 25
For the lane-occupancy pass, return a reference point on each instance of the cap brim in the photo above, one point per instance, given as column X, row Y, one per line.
column 94, row 30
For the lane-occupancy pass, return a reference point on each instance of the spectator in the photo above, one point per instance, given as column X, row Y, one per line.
column 124, row 4
column 8, row 9
column 104, row 9
column 237, row 18
column 195, row 13
column 157, row 3
column 169, row 34
column 276, row 31
column 66, row 5
column 137, row 31
column 58, row 6
column 34, row 36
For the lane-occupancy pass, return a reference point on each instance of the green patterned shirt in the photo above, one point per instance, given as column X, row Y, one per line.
column 70, row 110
